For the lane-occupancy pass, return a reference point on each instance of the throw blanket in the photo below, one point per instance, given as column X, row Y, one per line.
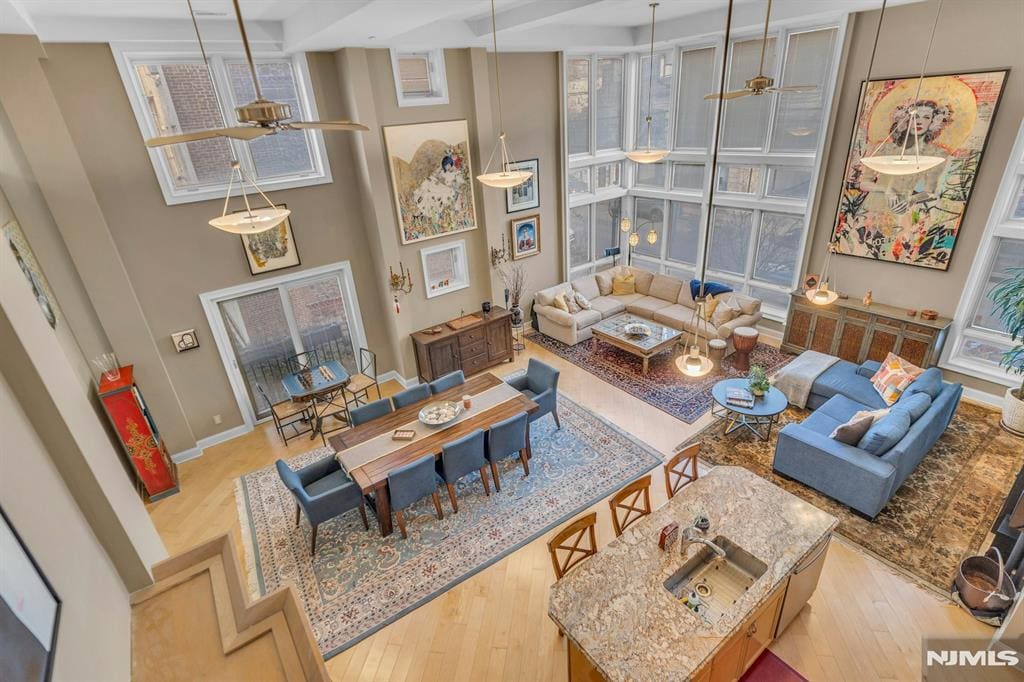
column 796, row 378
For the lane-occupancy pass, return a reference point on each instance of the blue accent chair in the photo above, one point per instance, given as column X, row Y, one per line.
column 370, row 411
column 411, row 483
column 508, row 438
column 460, row 458
column 323, row 491
column 539, row 384
column 411, row 395
column 450, row 380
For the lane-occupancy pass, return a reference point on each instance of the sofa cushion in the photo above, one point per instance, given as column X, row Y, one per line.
column 852, row 430
column 587, row 285
column 585, row 318
column 623, row 284
column 710, row 288
column 645, row 306
column 643, row 279
column 842, row 379
column 929, row 382
column 626, row 299
column 916, row 404
column 666, row 288
column 684, row 298
column 885, row 433
column 607, row 305
column 821, row 422
column 676, row 316
column 604, row 281
column 841, row 408
column 893, row 377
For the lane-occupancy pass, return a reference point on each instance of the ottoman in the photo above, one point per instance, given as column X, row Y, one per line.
column 716, row 351
column 743, row 340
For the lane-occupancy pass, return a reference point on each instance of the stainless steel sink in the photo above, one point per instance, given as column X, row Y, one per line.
column 718, row 581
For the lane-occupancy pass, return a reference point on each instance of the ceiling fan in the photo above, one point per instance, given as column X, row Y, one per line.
column 760, row 84
column 260, row 117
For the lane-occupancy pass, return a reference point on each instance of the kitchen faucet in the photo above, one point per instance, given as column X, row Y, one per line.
column 694, row 533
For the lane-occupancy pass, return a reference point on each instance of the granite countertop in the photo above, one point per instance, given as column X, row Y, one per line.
column 614, row 606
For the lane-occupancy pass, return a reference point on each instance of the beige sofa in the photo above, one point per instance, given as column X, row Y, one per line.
column 661, row 298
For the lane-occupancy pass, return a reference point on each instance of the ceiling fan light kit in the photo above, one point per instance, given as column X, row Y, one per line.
column 648, row 155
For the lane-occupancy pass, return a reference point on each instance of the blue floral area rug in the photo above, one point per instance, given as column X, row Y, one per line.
column 358, row 582
column 664, row 386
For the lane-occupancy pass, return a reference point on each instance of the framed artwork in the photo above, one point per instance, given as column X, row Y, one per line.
column 525, row 237
column 16, row 242
column 914, row 219
column 184, row 340
column 432, row 179
column 524, row 196
column 29, row 612
column 445, row 268
column 273, row 249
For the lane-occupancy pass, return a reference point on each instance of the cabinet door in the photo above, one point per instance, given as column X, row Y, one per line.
column 729, row 662
column 761, row 630
column 798, row 329
column 499, row 340
column 444, row 357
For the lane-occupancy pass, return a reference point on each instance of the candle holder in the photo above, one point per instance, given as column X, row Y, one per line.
column 502, row 255
column 399, row 282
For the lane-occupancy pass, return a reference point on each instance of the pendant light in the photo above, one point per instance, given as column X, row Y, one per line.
column 506, row 176
column 694, row 363
column 251, row 220
column 901, row 164
column 648, row 155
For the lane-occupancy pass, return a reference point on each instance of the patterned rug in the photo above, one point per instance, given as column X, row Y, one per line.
column 358, row 582
column 940, row 514
column 664, row 387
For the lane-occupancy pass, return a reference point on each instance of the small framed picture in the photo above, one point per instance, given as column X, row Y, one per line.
column 527, row 195
column 525, row 237
column 445, row 268
column 272, row 249
column 184, row 340
column 811, row 281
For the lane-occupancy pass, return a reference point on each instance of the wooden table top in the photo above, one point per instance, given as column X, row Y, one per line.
column 373, row 474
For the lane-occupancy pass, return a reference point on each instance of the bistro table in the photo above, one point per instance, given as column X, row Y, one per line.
column 758, row 418
column 367, row 453
column 317, row 387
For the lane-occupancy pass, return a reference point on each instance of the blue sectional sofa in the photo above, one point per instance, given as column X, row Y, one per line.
column 865, row 476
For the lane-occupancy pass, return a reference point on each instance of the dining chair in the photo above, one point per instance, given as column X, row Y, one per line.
column 633, row 503
column 364, row 413
column 411, row 483
column 676, row 474
column 288, row 413
column 450, row 380
column 507, row 438
column 539, row 384
column 331, row 405
column 304, row 360
column 571, row 541
column 360, row 383
column 323, row 491
column 411, row 395
column 460, row 458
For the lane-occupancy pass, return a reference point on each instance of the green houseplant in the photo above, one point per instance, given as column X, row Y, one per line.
column 758, row 380
column 1008, row 300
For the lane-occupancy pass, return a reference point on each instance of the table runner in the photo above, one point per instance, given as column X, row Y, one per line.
column 379, row 446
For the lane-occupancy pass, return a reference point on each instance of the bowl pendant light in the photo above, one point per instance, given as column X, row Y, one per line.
column 251, row 220
column 648, row 155
column 506, row 176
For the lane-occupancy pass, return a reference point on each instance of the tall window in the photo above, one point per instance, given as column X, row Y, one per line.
column 172, row 95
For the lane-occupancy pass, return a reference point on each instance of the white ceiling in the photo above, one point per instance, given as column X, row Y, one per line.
column 295, row 25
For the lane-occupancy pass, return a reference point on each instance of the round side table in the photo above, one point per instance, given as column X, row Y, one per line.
column 716, row 349
column 518, row 334
column 743, row 339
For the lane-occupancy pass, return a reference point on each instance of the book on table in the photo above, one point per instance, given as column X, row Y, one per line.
column 740, row 397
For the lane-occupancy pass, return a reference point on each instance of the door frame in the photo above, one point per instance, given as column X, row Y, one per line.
column 210, row 301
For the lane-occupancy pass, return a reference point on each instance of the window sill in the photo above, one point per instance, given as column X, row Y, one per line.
column 978, row 370
column 184, row 196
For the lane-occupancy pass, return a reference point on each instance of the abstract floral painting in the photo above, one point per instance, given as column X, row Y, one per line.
column 432, row 179
column 272, row 249
column 914, row 219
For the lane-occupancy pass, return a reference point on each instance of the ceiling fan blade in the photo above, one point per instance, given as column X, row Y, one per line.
column 794, row 88
column 245, row 132
column 729, row 95
column 238, row 133
column 325, row 125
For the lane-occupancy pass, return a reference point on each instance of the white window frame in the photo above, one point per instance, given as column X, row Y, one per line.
column 435, row 71
column 126, row 55
column 999, row 225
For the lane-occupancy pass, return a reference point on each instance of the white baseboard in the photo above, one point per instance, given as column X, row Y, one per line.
column 209, row 442
column 186, row 455
column 388, row 376
column 983, row 397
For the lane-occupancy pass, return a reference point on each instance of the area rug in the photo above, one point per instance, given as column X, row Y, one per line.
column 358, row 582
column 940, row 514
column 664, row 387
column 770, row 668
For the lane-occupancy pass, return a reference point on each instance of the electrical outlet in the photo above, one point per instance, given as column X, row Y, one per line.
column 217, row 419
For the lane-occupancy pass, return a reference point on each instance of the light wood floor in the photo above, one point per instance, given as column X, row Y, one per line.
column 864, row 623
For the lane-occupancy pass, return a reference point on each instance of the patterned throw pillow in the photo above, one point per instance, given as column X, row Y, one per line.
column 893, row 377
column 723, row 313
column 581, row 301
column 570, row 302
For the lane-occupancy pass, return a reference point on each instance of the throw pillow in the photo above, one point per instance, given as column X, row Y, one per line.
column 570, row 302
column 885, row 433
column 710, row 306
column 853, row 430
column 604, row 282
column 623, row 285
column 893, row 377
column 559, row 302
column 916, row 404
column 582, row 301
column 929, row 383
column 710, row 288
column 723, row 313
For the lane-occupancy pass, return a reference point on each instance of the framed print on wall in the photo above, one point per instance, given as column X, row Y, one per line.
column 527, row 195
column 915, row 219
column 26, row 259
column 431, row 179
column 525, row 237
column 272, row 249
column 445, row 268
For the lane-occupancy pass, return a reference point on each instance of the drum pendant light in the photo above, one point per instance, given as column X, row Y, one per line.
column 251, row 220
column 648, row 155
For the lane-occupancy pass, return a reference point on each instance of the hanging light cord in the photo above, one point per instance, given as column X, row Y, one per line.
column 650, row 77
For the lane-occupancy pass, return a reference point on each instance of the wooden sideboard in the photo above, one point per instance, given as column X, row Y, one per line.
column 472, row 348
column 856, row 332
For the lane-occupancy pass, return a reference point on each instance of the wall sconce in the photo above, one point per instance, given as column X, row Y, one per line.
column 502, row 255
column 400, row 283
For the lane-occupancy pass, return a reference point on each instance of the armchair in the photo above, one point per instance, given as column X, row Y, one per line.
column 323, row 491
column 539, row 384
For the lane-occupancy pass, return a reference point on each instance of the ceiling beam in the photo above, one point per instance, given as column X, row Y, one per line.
column 525, row 16
column 316, row 19
column 265, row 34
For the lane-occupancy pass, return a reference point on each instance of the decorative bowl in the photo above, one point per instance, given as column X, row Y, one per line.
column 439, row 414
column 637, row 329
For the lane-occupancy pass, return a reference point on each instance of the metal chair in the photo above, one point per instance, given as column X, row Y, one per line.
column 460, row 458
column 509, row 438
column 450, row 380
column 323, row 491
column 369, row 412
column 676, row 474
column 288, row 413
column 634, row 501
column 539, row 384
column 360, row 383
column 411, row 395
column 411, row 483
column 331, row 405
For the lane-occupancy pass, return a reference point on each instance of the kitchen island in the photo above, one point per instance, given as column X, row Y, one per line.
column 621, row 608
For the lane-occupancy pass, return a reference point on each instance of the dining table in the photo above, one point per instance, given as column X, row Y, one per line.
column 321, row 383
column 368, row 452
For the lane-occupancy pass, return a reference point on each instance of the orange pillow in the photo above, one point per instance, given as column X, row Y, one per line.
column 893, row 377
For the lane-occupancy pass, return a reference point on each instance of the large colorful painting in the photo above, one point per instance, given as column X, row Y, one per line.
column 432, row 178
column 914, row 219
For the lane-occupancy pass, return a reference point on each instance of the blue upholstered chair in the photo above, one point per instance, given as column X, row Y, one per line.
column 323, row 491
column 460, row 458
column 450, row 380
column 509, row 438
column 411, row 395
column 365, row 413
column 411, row 483
column 539, row 384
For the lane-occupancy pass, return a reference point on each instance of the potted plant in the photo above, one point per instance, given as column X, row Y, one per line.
column 1008, row 297
column 758, row 380
column 514, row 279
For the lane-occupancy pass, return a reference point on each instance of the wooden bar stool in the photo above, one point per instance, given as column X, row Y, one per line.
column 676, row 474
column 633, row 503
column 569, row 540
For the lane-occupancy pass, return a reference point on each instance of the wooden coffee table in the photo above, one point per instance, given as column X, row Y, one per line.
column 612, row 331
